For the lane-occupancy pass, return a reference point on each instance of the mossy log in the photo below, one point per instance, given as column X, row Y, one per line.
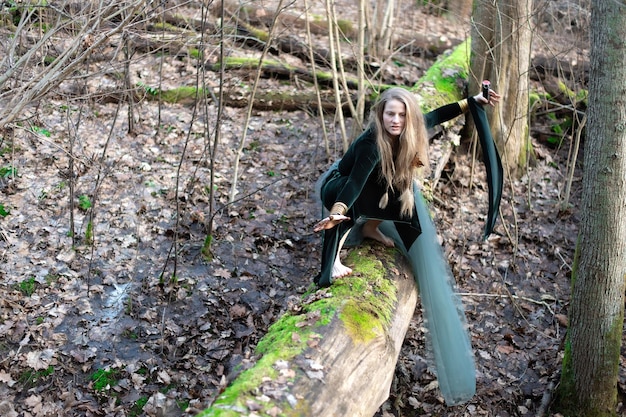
column 275, row 69
column 576, row 71
column 334, row 354
column 264, row 100
column 257, row 16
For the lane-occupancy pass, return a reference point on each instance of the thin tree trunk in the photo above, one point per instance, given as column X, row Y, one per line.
column 591, row 363
column 320, row 109
column 332, row 42
column 233, row 188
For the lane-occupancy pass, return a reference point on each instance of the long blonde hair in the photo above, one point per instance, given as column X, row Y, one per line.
column 400, row 158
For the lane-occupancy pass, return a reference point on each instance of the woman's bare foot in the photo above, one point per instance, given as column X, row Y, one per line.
column 340, row 270
column 371, row 230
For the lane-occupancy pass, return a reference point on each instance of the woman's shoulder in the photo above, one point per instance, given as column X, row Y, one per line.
column 368, row 136
column 363, row 146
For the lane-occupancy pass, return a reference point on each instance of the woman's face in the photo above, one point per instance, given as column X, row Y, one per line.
column 394, row 117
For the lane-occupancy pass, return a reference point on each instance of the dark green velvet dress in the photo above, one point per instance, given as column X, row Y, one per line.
column 355, row 181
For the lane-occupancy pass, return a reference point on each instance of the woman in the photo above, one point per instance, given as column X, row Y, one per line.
column 374, row 179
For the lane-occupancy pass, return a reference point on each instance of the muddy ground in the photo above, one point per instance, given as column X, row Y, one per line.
column 128, row 316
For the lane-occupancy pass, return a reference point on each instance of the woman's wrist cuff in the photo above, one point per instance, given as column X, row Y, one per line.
column 339, row 208
column 464, row 105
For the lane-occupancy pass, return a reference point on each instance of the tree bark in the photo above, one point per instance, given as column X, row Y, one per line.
column 591, row 363
column 501, row 39
column 347, row 364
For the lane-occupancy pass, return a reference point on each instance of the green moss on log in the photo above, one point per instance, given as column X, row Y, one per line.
column 369, row 308
column 194, row 53
column 168, row 27
column 575, row 96
column 536, row 98
column 346, row 27
column 184, row 94
column 285, row 339
column 364, row 303
column 444, row 81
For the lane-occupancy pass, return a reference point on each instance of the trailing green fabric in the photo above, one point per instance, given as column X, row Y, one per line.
column 444, row 317
column 444, row 314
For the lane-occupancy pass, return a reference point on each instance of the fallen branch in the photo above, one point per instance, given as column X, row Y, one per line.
column 515, row 297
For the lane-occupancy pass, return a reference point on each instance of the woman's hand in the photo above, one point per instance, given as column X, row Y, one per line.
column 493, row 98
column 330, row 222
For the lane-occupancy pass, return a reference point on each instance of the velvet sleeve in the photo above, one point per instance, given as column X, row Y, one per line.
column 364, row 157
column 492, row 161
column 491, row 157
column 442, row 114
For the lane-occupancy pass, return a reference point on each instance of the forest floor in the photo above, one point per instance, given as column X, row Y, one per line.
column 128, row 317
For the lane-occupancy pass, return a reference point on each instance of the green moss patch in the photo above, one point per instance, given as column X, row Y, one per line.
column 369, row 296
column 180, row 94
column 446, row 77
column 285, row 339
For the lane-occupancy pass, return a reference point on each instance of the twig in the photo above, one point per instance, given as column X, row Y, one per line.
column 320, row 109
column 559, row 106
column 230, row 203
column 84, row 46
column 217, row 132
column 558, row 253
column 572, row 161
column 545, row 400
column 516, row 297
column 102, row 174
column 257, row 77
column 335, row 28
column 333, row 65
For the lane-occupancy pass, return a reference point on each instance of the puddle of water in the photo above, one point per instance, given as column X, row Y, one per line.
column 101, row 329
column 114, row 303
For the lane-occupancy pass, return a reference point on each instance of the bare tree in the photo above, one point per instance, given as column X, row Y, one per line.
column 501, row 41
column 592, row 355
column 242, row 141
column 25, row 73
column 380, row 28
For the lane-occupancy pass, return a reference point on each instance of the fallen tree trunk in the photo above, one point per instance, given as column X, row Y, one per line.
column 335, row 354
column 542, row 67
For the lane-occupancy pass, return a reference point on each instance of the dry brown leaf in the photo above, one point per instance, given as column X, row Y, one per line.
column 6, row 409
column 222, row 272
column 40, row 359
column 7, row 379
column 505, row 349
column 164, row 377
column 83, row 355
column 238, row 311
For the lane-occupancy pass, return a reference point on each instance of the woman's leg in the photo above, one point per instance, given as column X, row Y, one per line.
column 371, row 230
column 333, row 239
column 339, row 269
